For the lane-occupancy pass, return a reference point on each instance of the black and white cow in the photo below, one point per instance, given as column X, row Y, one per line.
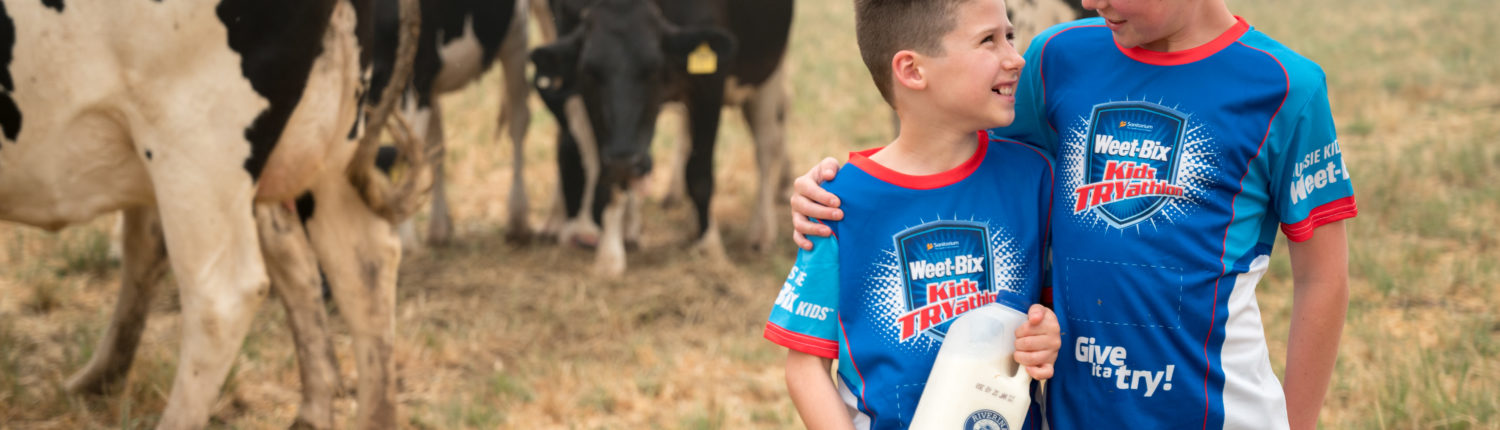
column 608, row 75
column 459, row 41
column 202, row 121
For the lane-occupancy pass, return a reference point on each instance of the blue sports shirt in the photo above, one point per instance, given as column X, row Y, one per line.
column 1175, row 170
column 911, row 254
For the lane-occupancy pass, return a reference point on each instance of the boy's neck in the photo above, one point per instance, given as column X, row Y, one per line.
column 1209, row 21
column 923, row 149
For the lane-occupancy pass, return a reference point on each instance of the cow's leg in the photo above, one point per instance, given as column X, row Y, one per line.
column 765, row 112
column 293, row 268
column 206, row 217
column 703, row 110
column 439, row 221
column 609, row 258
column 544, row 21
column 359, row 254
column 632, row 217
column 144, row 262
column 578, row 171
column 515, row 117
column 676, row 187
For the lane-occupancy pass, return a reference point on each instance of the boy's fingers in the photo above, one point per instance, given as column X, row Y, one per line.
column 1035, row 358
column 809, row 186
column 801, row 241
column 1039, row 322
column 1040, row 372
column 827, row 169
column 802, row 208
column 1037, row 344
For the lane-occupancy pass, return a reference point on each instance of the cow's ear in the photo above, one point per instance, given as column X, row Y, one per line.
column 699, row 52
column 556, row 64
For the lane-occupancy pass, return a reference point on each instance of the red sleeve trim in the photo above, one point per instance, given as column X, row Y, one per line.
column 1336, row 210
column 800, row 342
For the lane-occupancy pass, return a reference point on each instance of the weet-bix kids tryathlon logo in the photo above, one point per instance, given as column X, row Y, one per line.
column 1130, row 161
column 945, row 267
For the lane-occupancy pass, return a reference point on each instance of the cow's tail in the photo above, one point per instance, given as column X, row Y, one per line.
column 397, row 198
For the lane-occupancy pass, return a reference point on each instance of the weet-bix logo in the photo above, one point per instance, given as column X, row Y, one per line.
column 946, row 269
column 1130, row 161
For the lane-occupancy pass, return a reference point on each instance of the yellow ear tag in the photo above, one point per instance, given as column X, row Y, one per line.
column 702, row 60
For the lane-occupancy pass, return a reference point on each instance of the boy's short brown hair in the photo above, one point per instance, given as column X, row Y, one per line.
column 885, row 27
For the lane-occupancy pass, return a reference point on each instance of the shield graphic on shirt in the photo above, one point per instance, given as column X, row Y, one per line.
column 1130, row 163
column 945, row 271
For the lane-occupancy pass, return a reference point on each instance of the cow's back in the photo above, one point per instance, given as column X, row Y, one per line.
column 104, row 91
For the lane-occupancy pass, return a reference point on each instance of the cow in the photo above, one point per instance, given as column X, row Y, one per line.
column 459, row 41
column 203, row 122
column 614, row 65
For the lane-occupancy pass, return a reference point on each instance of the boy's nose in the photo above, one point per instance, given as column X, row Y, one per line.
column 1094, row 4
column 1012, row 60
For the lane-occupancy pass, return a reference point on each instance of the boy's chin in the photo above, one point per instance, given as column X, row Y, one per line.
column 999, row 122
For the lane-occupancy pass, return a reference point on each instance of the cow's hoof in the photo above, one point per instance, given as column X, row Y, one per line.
column 671, row 200
column 437, row 240
column 711, row 249
column 609, row 267
column 300, row 424
column 519, row 236
column 579, row 235
column 439, row 232
column 87, row 382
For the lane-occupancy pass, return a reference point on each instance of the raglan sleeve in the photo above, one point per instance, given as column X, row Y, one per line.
column 805, row 315
column 1030, row 124
column 1310, row 183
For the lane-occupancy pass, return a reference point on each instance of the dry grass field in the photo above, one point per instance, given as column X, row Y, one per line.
column 496, row 335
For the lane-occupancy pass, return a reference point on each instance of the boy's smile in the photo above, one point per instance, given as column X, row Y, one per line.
column 977, row 56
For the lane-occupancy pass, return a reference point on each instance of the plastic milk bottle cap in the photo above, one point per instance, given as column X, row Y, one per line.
column 975, row 383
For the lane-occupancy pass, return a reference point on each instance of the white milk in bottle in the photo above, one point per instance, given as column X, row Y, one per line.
column 975, row 383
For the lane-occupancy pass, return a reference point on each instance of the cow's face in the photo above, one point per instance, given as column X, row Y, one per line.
column 624, row 61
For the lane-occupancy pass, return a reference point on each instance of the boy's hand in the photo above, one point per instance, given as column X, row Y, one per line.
column 811, row 200
column 1037, row 342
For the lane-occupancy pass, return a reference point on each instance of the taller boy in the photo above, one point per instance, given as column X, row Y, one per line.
column 1184, row 138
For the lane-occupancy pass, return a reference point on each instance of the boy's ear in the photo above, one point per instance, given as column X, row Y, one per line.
column 698, row 52
column 906, row 70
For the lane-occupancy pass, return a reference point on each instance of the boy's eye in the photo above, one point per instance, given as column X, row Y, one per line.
column 988, row 39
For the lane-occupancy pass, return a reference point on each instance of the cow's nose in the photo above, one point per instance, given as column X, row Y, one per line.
column 631, row 165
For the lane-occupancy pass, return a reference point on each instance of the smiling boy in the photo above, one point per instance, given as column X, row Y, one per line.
column 942, row 220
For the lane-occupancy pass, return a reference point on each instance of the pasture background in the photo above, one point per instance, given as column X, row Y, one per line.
column 495, row 335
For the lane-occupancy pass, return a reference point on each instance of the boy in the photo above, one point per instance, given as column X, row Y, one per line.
column 1184, row 138
column 926, row 238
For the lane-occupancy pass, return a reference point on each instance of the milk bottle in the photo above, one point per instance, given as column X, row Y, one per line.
column 975, row 383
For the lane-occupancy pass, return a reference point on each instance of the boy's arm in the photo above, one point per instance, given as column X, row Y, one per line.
column 1320, row 279
column 809, row 381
